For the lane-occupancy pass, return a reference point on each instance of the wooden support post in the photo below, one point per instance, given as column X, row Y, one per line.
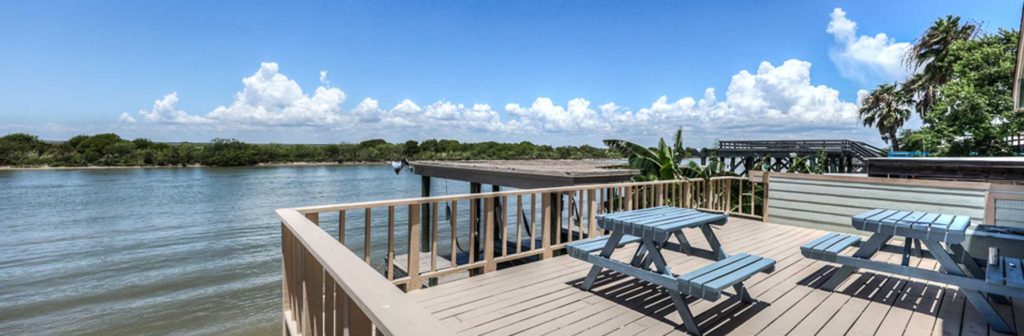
column 475, row 211
column 546, row 238
column 489, row 264
column 414, row 241
column 764, row 197
column 341, row 227
column 728, row 196
column 592, row 213
column 425, row 235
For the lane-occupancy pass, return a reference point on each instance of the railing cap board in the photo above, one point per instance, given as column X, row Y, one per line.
column 391, row 311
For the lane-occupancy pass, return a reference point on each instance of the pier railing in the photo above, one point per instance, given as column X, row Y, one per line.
column 415, row 241
column 328, row 290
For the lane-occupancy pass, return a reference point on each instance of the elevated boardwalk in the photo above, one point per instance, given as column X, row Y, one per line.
column 544, row 298
column 843, row 156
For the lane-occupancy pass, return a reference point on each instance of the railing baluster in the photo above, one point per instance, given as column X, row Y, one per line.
column 546, row 225
column 519, row 223
column 592, row 213
column 472, row 229
column 391, row 243
column 533, row 222
column 367, row 231
column 489, row 264
column 330, row 306
column 453, row 221
column 341, row 226
column 558, row 218
column 413, row 267
column 504, row 226
column 433, row 237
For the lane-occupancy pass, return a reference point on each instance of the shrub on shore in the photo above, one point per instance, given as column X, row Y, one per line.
column 108, row 149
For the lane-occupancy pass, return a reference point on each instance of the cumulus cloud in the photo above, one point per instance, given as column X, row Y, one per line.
column 866, row 59
column 268, row 98
column 545, row 115
column 774, row 97
column 165, row 110
column 780, row 96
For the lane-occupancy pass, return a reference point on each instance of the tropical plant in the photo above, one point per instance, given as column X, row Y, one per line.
column 974, row 114
column 929, row 54
column 659, row 163
column 885, row 108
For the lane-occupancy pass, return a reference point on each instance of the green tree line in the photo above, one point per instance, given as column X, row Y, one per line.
column 961, row 90
column 19, row 149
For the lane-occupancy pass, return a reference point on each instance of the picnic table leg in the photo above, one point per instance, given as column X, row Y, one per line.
column 639, row 256
column 972, row 267
column 684, row 244
column 654, row 254
column 907, row 246
column 965, row 259
column 742, row 293
column 976, row 299
column 609, row 247
column 866, row 251
column 713, row 241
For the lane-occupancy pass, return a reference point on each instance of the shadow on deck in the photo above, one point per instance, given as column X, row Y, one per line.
column 544, row 297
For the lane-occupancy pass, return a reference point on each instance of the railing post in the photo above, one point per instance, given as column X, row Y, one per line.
column 728, row 196
column 592, row 213
column 629, row 197
column 545, row 201
column 687, row 185
column 414, row 248
column 489, row 264
column 764, row 197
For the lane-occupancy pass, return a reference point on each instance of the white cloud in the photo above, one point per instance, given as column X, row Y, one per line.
column 770, row 99
column 126, row 118
column 866, row 59
column 545, row 115
column 775, row 96
column 268, row 98
column 165, row 110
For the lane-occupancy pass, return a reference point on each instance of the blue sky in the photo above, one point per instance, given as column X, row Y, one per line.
column 548, row 72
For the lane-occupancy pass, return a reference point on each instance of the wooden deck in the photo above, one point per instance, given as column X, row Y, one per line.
column 544, row 297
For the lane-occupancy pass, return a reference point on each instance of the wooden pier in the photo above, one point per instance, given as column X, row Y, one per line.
column 842, row 156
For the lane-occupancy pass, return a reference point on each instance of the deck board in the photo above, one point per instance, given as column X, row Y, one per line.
column 543, row 297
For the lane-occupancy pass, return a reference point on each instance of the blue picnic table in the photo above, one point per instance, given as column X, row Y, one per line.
column 651, row 229
column 943, row 236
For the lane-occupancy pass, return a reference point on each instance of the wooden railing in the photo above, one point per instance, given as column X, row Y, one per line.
column 476, row 232
column 327, row 290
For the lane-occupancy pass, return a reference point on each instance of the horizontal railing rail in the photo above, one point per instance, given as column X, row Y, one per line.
column 476, row 232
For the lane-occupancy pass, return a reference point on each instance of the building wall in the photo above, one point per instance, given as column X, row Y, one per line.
column 828, row 202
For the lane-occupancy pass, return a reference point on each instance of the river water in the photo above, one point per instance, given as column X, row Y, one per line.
column 190, row 251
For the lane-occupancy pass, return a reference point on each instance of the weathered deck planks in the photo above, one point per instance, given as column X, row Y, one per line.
column 544, row 297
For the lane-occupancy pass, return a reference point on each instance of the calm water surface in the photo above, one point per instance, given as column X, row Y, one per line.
column 160, row 251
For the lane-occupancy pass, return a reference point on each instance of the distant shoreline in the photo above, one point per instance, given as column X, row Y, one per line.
column 258, row 165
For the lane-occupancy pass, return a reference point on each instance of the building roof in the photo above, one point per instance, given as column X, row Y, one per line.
column 528, row 173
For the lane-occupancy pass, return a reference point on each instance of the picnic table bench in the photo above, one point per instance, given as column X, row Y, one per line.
column 652, row 228
column 943, row 236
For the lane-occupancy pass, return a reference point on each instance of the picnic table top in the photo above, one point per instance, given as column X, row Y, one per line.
column 914, row 224
column 658, row 222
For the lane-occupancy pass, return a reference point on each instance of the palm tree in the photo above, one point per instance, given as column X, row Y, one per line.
column 660, row 163
column 885, row 108
column 929, row 55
